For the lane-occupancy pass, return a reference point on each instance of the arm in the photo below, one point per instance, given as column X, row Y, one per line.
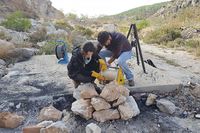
column 111, row 60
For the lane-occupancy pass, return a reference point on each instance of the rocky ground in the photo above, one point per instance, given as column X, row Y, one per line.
column 26, row 95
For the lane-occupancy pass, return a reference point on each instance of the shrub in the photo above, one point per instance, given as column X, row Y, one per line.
column 4, row 36
column 5, row 50
column 162, row 35
column 142, row 24
column 16, row 22
column 192, row 43
column 198, row 51
column 176, row 43
column 83, row 30
column 38, row 36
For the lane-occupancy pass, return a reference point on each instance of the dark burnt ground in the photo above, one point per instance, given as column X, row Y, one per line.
column 149, row 120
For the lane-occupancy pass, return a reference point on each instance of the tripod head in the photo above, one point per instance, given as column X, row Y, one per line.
column 135, row 43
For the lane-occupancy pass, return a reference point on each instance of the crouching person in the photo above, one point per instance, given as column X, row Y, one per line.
column 85, row 65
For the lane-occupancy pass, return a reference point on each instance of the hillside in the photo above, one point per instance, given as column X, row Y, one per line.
column 30, row 9
column 143, row 11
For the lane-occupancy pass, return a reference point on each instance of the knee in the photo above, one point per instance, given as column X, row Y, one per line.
column 120, row 62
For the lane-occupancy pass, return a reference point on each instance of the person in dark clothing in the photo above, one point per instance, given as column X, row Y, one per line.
column 117, row 47
column 85, row 64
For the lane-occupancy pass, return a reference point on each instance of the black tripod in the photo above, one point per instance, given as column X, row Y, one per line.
column 135, row 43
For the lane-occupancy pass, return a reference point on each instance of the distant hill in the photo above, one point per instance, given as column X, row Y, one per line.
column 133, row 11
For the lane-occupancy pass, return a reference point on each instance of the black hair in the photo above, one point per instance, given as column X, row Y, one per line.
column 103, row 36
column 87, row 47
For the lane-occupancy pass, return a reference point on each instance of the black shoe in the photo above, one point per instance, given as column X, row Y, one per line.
column 131, row 83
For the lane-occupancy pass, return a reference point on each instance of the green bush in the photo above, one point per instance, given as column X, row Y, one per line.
column 16, row 22
column 176, row 43
column 162, row 35
column 38, row 36
column 83, row 30
column 192, row 43
column 142, row 24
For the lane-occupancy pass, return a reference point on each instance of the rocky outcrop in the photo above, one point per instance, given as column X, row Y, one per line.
column 31, row 8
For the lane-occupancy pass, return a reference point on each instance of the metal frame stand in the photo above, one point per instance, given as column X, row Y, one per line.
column 135, row 43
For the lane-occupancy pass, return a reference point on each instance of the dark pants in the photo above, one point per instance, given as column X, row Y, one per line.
column 92, row 66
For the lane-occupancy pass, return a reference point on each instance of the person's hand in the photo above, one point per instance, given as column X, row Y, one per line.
column 102, row 65
column 98, row 76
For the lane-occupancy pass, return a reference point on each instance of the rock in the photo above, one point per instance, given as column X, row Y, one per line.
column 49, row 113
column 77, row 92
column 113, row 91
column 50, row 30
column 20, row 37
column 92, row 128
column 78, row 40
column 131, row 101
column 89, row 93
column 83, row 108
column 106, row 115
column 57, row 127
column 125, row 111
column 165, row 106
column 45, row 123
column 110, row 27
column 2, row 62
column 150, row 99
column 119, row 101
column 99, row 103
column 8, row 120
column 32, row 129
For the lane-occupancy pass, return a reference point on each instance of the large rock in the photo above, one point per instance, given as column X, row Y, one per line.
column 113, row 91
column 92, row 128
column 131, row 101
column 165, row 106
column 106, row 115
column 77, row 92
column 110, row 27
column 83, row 108
column 125, row 111
column 57, row 127
column 49, row 113
column 119, row 101
column 89, row 93
column 8, row 120
column 99, row 103
column 32, row 129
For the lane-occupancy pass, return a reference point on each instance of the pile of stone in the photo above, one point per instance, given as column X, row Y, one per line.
column 113, row 102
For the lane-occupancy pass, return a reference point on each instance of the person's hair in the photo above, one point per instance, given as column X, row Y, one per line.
column 87, row 47
column 103, row 36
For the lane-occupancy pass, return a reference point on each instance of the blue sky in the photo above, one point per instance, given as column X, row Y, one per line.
column 100, row 7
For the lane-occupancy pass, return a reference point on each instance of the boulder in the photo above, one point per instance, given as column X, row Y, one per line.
column 113, row 91
column 165, row 106
column 32, row 129
column 89, row 93
column 106, row 115
column 110, row 27
column 83, row 108
column 119, row 101
column 99, row 103
column 131, row 101
column 8, row 120
column 125, row 111
column 92, row 128
column 49, row 113
column 57, row 127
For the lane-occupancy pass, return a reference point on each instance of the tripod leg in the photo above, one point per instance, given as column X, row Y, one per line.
column 138, row 44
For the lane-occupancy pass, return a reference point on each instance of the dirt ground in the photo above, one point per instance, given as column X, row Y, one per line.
column 53, row 87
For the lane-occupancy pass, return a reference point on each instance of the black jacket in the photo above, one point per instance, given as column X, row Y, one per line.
column 76, row 63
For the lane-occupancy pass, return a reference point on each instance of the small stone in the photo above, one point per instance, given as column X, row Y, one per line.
column 135, row 95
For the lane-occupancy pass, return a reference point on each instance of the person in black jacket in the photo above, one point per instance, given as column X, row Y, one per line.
column 85, row 64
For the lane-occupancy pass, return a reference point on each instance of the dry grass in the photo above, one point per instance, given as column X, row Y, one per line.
column 5, row 50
